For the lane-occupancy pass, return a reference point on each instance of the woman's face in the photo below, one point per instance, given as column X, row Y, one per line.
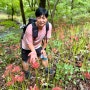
column 41, row 21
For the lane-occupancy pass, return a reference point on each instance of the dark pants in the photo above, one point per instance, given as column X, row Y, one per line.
column 24, row 53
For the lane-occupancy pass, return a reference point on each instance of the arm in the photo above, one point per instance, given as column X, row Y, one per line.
column 45, row 44
column 29, row 42
column 31, row 47
column 44, row 47
column 48, row 36
column 32, row 54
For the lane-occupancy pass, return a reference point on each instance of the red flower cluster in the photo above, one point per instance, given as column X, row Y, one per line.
column 62, row 35
column 9, row 83
column 57, row 88
column 16, row 69
column 35, row 65
column 76, row 38
column 55, row 50
column 69, row 42
column 1, row 61
column 87, row 75
column 14, row 73
column 34, row 88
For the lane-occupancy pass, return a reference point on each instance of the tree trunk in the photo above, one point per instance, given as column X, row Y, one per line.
column 12, row 12
column 12, row 9
column 52, row 13
column 32, row 4
column 37, row 2
column 54, row 8
column 42, row 3
column 72, row 6
column 49, row 9
column 22, row 12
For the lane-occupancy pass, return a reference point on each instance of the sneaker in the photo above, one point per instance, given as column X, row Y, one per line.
column 50, row 71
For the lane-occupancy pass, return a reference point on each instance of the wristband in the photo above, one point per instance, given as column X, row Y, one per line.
column 44, row 48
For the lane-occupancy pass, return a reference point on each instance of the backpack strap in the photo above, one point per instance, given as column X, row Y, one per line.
column 34, row 30
column 47, row 28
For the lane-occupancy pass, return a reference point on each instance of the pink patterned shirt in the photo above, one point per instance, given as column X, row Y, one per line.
column 28, row 38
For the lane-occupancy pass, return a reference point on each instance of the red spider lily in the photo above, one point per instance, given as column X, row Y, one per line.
column 68, row 44
column 35, row 65
column 9, row 83
column 11, row 73
column 13, row 78
column 1, row 62
column 88, row 46
column 79, row 64
column 55, row 50
column 62, row 36
column 9, row 67
column 19, row 78
column 72, row 37
column 76, row 38
column 16, row 69
column 22, row 73
column 56, row 88
column 0, row 45
column 13, row 47
column 6, row 73
column 49, row 57
column 70, row 41
column 87, row 75
column 34, row 88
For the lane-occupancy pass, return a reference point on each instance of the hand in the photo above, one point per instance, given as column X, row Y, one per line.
column 33, row 57
column 43, row 52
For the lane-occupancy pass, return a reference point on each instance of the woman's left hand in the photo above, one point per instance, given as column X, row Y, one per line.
column 43, row 52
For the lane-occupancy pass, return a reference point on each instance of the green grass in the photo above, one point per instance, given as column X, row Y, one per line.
column 68, row 45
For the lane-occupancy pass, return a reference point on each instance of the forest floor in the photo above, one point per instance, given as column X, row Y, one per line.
column 8, row 54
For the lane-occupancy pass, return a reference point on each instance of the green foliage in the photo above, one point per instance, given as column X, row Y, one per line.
column 9, row 23
column 67, row 73
column 74, row 43
column 11, row 38
column 30, row 13
column 65, row 11
column 63, row 49
column 63, row 70
column 78, row 11
column 7, row 5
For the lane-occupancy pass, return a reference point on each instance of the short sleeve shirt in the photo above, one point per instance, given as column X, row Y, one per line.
column 28, row 38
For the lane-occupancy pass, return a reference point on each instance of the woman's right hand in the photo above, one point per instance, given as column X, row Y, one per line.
column 33, row 57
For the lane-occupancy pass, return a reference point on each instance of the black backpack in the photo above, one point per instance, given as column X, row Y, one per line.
column 34, row 28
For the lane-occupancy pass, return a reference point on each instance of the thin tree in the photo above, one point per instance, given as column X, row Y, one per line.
column 32, row 4
column 53, row 12
column 72, row 6
column 22, row 12
column 49, row 9
column 12, row 10
column 29, row 3
column 54, row 8
column 42, row 3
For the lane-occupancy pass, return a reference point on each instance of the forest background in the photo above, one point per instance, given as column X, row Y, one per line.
column 68, row 50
